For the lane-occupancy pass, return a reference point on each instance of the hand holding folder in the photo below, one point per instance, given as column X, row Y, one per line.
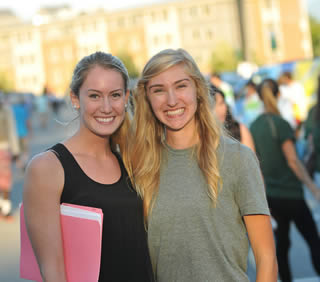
column 81, row 229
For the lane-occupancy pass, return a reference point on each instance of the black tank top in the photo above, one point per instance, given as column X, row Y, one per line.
column 124, row 254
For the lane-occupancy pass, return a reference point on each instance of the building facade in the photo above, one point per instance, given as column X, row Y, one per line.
column 45, row 53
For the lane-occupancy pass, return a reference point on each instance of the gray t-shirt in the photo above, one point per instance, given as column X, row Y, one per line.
column 189, row 238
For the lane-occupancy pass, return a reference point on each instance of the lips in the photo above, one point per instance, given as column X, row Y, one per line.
column 177, row 112
column 105, row 120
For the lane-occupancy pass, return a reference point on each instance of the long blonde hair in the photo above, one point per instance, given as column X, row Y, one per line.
column 268, row 91
column 144, row 156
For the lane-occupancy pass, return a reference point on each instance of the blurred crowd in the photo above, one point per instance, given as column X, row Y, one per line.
column 16, row 111
column 274, row 120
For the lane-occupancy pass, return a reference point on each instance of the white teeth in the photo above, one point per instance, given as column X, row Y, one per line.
column 176, row 112
column 105, row 119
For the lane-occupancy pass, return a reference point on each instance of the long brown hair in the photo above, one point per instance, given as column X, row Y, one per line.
column 268, row 91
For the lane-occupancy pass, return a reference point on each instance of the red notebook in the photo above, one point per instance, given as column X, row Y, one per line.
column 81, row 234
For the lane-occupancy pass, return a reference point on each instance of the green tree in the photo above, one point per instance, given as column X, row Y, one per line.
column 129, row 63
column 6, row 84
column 315, row 35
column 224, row 58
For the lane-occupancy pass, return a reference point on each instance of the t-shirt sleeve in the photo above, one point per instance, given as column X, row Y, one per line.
column 284, row 131
column 250, row 191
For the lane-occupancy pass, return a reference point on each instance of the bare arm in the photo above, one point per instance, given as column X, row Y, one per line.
column 262, row 242
column 41, row 197
column 246, row 137
column 298, row 168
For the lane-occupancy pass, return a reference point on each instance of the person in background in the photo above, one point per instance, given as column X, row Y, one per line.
column 284, row 174
column 316, row 142
column 312, row 134
column 312, row 114
column 202, row 191
column 23, row 125
column 292, row 101
column 9, row 146
column 236, row 129
column 225, row 87
column 86, row 169
column 43, row 108
column 253, row 106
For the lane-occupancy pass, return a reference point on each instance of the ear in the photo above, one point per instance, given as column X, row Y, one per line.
column 74, row 100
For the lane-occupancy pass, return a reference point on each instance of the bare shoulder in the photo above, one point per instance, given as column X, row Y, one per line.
column 244, row 128
column 44, row 170
column 43, row 162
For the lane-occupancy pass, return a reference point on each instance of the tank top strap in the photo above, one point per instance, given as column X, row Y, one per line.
column 63, row 155
column 122, row 167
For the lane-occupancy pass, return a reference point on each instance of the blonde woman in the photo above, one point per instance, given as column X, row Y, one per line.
column 284, row 174
column 203, row 193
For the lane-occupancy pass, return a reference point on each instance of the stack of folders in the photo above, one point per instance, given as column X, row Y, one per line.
column 81, row 234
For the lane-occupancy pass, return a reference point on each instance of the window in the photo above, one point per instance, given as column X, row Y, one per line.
column 121, row 22
column 134, row 19
column 165, row 15
column 268, row 4
column 206, row 10
column 193, row 11
column 196, row 34
column 153, row 17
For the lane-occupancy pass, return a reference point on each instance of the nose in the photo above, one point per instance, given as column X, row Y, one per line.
column 106, row 106
column 172, row 98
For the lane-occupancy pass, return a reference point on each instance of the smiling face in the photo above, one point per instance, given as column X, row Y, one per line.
column 101, row 101
column 173, row 98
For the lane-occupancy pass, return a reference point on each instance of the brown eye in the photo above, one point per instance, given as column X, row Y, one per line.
column 93, row 96
column 157, row 90
column 116, row 95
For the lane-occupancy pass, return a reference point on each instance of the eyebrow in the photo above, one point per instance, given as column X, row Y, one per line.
column 116, row 90
column 176, row 82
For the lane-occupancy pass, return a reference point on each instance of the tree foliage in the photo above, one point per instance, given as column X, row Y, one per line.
column 224, row 58
column 129, row 63
column 315, row 35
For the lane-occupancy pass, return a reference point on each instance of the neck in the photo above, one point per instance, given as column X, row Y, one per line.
column 182, row 140
column 91, row 145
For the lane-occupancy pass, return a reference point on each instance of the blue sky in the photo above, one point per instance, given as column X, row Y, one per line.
column 314, row 8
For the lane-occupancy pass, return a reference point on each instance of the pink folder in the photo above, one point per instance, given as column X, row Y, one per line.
column 81, row 235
